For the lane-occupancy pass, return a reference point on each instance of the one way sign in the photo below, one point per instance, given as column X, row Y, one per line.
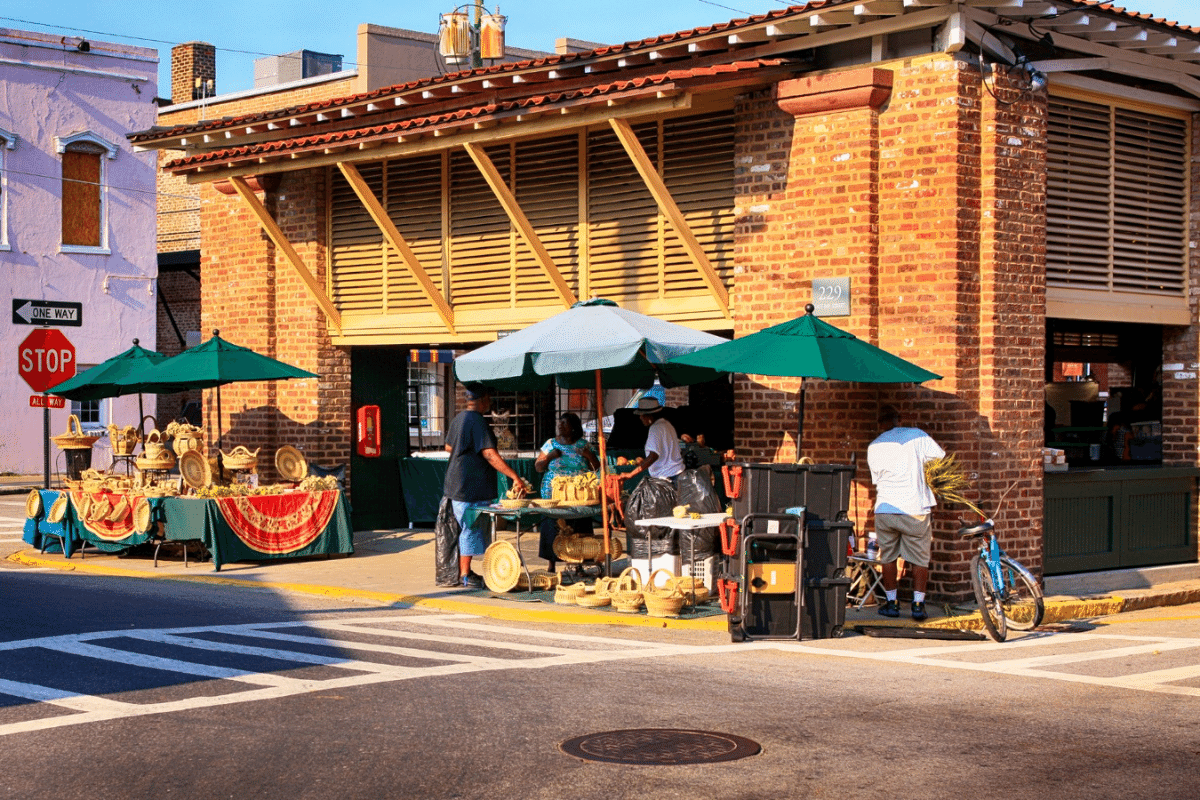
column 47, row 312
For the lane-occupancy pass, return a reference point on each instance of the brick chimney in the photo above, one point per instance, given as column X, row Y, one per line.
column 190, row 61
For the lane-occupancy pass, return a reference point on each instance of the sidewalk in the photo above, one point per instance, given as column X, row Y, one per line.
column 395, row 568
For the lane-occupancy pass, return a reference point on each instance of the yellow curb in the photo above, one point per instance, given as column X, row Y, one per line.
column 573, row 617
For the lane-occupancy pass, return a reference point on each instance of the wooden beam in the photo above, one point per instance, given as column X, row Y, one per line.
column 509, row 202
column 397, row 241
column 666, row 203
column 276, row 235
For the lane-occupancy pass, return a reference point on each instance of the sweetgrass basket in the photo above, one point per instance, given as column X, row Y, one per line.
column 567, row 595
column 665, row 600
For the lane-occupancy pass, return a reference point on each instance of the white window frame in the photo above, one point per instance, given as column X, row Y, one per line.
column 8, row 141
column 61, row 143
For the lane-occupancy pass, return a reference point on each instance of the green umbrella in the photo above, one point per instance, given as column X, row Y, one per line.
column 101, row 380
column 808, row 347
column 211, row 364
column 593, row 343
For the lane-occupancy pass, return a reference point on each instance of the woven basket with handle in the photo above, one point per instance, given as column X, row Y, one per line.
column 74, row 438
column 665, row 600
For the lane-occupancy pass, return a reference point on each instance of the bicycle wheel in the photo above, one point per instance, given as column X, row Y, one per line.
column 1023, row 606
column 990, row 607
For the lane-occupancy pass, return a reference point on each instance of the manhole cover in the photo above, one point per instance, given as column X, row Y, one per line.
column 660, row 746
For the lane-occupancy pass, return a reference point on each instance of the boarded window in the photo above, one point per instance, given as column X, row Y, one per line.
column 1116, row 201
column 82, row 209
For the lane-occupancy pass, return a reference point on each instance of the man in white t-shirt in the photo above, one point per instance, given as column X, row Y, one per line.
column 903, row 501
column 663, row 459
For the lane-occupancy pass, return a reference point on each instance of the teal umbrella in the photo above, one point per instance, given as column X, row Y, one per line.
column 100, row 381
column 595, row 343
column 211, row 364
column 808, row 347
column 628, row 349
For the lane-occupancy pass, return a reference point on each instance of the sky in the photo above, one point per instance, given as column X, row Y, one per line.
column 250, row 29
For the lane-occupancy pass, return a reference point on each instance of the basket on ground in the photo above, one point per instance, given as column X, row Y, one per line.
column 665, row 600
column 627, row 594
column 501, row 567
column 566, row 595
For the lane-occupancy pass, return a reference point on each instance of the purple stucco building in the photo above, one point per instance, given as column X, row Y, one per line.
column 77, row 216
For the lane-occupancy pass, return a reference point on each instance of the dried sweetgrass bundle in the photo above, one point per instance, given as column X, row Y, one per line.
column 948, row 483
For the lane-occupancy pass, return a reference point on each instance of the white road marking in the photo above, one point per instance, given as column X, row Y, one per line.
column 274, row 686
column 1160, row 681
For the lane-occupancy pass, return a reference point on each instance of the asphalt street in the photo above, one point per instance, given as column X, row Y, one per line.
column 114, row 687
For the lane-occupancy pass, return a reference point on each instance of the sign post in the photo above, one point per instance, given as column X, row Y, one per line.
column 45, row 359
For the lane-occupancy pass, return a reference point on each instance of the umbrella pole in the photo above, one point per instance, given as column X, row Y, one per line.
column 800, row 424
column 603, row 475
column 220, row 461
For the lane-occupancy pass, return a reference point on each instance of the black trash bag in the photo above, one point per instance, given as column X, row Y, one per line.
column 696, row 491
column 653, row 497
column 445, row 536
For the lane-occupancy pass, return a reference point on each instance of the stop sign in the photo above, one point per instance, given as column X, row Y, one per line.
column 46, row 358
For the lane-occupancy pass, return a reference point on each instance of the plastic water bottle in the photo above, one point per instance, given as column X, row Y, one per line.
column 851, row 544
column 872, row 547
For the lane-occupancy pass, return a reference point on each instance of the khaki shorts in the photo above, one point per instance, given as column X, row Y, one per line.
column 904, row 536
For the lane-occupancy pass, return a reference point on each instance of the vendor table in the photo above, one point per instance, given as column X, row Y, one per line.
column 422, row 479
column 712, row 520
column 529, row 514
column 253, row 528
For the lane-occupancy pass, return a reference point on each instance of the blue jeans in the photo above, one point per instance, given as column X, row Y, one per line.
column 472, row 541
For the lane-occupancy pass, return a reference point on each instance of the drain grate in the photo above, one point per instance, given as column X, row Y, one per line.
column 660, row 746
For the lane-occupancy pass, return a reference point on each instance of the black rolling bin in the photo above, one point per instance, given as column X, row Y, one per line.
column 823, row 489
column 791, row 578
column 770, row 582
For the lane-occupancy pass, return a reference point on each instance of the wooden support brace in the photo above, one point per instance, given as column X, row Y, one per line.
column 398, row 242
column 276, row 235
column 509, row 202
column 666, row 203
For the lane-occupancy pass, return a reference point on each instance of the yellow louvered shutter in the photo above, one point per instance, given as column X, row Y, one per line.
column 622, row 219
column 414, row 205
column 698, row 171
column 356, row 246
column 480, row 235
column 547, row 189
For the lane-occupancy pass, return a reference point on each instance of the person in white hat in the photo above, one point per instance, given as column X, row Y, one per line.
column 663, row 459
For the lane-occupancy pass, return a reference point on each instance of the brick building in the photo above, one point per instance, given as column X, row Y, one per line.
column 1004, row 187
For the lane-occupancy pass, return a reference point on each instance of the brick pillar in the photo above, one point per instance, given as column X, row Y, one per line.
column 190, row 61
column 254, row 296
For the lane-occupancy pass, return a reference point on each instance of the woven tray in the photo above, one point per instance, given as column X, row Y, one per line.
column 33, row 504
column 291, row 464
column 501, row 567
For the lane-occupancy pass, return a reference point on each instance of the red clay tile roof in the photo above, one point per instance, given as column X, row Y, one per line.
column 569, row 59
column 632, row 88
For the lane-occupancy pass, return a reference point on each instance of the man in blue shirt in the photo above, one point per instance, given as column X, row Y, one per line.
column 471, row 477
column 903, row 502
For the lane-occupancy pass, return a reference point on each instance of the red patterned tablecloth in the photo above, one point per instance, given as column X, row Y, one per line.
column 279, row 523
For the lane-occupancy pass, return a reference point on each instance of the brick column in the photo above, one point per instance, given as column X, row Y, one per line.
column 190, row 61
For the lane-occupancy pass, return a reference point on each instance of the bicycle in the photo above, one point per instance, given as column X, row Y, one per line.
column 1007, row 593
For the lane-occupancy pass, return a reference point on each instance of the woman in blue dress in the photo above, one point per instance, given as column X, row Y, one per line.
column 568, row 453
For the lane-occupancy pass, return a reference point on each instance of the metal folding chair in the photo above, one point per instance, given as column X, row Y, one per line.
column 866, row 580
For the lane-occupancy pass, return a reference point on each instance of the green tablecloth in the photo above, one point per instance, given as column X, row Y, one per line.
column 422, row 479
column 189, row 518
